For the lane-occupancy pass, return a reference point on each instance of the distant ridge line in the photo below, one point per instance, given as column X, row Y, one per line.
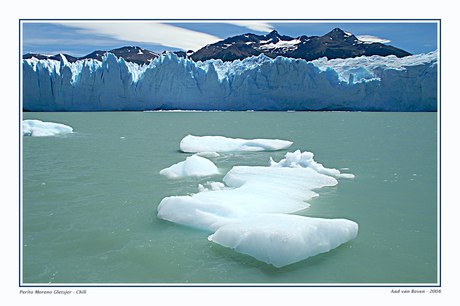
column 335, row 44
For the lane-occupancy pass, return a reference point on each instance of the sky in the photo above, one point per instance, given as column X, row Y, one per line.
column 81, row 37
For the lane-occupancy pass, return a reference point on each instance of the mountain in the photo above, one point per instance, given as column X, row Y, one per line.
column 130, row 54
column 335, row 44
column 56, row 57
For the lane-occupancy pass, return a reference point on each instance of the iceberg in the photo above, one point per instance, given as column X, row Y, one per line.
column 250, row 212
column 193, row 166
column 202, row 144
column 365, row 83
column 280, row 239
column 254, row 190
column 305, row 160
column 39, row 128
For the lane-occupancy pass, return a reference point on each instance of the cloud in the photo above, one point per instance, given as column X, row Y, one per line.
column 146, row 32
column 254, row 25
column 372, row 39
column 40, row 41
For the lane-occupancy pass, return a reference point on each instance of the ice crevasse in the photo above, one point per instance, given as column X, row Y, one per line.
column 251, row 210
column 363, row 83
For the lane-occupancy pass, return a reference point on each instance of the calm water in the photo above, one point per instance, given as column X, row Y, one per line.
column 90, row 198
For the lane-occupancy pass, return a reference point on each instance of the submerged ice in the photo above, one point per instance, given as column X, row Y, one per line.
column 363, row 83
column 249, row 210
column 39, row 128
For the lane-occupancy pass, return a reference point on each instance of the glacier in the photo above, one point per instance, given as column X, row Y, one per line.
column 251, row 211
column 372, row 83
column 38, row 128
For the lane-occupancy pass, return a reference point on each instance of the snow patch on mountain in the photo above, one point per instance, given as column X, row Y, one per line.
column 282, row 44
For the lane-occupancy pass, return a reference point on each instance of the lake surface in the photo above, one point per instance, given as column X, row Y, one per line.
column 89, row 199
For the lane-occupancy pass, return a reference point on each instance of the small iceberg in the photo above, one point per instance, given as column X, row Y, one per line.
column 197, row 144
column 39, row 128
column 305, row 160
column 281, row 239
column 193, row 166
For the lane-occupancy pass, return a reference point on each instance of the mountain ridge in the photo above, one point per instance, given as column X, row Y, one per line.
column 335, row 44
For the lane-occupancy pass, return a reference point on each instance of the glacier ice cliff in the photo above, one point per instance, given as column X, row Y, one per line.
column 363, row 83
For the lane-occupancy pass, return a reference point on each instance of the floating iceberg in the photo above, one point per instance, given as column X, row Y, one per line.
column 254, row 190
column 193, row 144
column 39, row 128
column 281, row 239
column 248, row 213
column 305, row 160
column 373, row 83
column 192, row 166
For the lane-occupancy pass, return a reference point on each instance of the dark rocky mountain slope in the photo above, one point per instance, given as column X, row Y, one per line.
column 335, row 44
column 130, row 54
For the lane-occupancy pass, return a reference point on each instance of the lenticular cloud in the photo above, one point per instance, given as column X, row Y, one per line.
column 250, row 211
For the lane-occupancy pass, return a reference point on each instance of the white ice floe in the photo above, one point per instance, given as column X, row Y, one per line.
column 39, row 128
column 281, row 239
column 254, row 190
column 192, row 166
column 194, row 144
column 305, row 160
column 249, row 212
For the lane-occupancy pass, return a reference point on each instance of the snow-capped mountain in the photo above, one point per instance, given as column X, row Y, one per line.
column 56, row 57
column 130, row 54
column 335, row 44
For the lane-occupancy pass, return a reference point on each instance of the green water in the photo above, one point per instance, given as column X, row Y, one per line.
column 90, row 198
